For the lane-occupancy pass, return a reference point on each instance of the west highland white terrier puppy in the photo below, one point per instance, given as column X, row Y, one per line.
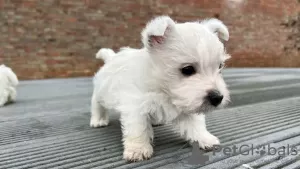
column 176, row 77
column 8, row 83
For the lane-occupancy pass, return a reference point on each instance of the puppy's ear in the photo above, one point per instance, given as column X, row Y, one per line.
column 217, row 26
column 227, row 56
column 157, row 31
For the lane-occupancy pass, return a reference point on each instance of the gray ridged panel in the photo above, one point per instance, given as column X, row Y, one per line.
column 48, row 127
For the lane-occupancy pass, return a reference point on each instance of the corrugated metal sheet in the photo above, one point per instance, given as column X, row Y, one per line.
column 48, row 127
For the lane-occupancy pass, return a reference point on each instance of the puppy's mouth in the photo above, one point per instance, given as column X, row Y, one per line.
column 206, row 107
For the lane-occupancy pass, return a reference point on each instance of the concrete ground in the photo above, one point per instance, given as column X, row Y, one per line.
column 48, row 126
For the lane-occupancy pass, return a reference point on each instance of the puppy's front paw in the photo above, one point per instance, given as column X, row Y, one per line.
column 207, row 141
column 98, row 123
column 137, row 152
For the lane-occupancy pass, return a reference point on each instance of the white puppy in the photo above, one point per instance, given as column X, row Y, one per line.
column 175, row 78
column 8, row 83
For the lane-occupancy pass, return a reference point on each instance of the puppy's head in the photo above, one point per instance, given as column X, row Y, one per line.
column 187, row 60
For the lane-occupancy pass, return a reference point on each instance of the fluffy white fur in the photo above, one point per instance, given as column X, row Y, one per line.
column 8, row 83
column 147, row 87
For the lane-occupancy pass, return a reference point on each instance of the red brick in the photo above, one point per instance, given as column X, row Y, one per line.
column 60, row 38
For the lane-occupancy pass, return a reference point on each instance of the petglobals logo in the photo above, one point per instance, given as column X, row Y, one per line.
column 201, row 157
column 257, row 150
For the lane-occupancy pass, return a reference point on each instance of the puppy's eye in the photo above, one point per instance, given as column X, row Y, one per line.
column 188, row 70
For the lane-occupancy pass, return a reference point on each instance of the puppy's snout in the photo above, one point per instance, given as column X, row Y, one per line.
column 214, row 97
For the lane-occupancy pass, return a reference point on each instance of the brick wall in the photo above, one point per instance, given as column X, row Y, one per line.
column 59, row 38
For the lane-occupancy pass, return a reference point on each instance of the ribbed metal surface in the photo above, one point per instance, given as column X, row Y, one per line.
column 48, row 127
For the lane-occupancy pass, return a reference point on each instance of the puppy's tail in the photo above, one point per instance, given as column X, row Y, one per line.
column 11, row 76
column 105, row 54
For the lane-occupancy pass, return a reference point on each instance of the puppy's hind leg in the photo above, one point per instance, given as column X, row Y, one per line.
column 99, row 116
column 12, row 94
column 3, row 98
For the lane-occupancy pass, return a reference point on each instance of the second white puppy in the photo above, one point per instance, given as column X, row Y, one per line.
column 8, row 83
column 175, row 78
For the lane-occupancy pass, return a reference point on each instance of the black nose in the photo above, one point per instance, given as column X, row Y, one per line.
column 214, row 97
